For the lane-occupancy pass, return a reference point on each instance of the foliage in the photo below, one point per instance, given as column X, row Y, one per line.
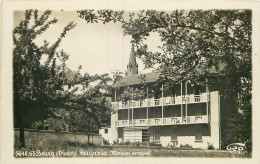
column 186, row 145
column 59, row 123
column 117, row 76
column 210, row 147
column 91, row 108
column 37, row 124
column 105, row 142
column 154, row 143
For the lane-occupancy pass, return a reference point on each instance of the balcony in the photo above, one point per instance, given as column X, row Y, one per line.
column 161, row 102
column 122, row 123
column 163, row 121
column 197, row 119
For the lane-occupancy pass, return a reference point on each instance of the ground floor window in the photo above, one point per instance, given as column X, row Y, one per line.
column 198, row 135
column 174, row 134
column 157, row 134
column 145, row 136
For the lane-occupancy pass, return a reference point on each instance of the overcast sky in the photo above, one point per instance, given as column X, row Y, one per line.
column 98, row 48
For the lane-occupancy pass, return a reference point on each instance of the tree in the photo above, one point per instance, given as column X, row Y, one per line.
column 36, row 85
column 90, row 108
column 196, row 45
column 86, row 107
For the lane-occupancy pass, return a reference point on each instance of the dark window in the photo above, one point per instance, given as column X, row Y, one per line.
column 145, row 136
column 197, row 90
column 174, row 134
column 173, row 92
column 106, row 130
column 198, row 136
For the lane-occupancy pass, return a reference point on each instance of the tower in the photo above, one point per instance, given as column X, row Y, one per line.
column 132, row 67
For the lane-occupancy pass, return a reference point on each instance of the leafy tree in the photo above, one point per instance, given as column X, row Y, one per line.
column 36, row 85
column 196, row 45
column 90, row 109
column 117, row 76
column 87, row 106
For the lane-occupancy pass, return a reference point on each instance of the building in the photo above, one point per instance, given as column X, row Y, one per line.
column 144, row 110
column 105, row 133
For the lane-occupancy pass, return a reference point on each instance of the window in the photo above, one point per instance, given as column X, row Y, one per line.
column 145, row 136
column 157, row 134
column 173, row 92
column 197, row 90
column 174, row 134
column 198, row 135
column 106, row 130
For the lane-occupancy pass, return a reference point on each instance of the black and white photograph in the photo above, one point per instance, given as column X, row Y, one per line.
column 129, row 82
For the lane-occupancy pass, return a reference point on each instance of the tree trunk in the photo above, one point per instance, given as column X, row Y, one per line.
column 21, row 127
column 88, row 136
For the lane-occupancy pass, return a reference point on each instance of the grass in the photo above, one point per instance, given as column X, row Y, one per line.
column 61, row 148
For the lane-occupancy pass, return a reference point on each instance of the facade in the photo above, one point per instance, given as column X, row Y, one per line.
column 105, row 133
column 169, row 115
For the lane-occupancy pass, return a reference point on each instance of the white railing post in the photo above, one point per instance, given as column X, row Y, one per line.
column 186, row 105
column 132, row 105
column 115, row 95
column 162, row 101
column 181, row 104
column 147, row 114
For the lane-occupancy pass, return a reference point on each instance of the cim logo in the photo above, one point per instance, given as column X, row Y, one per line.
column 236, row 147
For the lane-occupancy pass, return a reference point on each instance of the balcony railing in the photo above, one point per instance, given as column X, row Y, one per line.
column 140, row 122
column 162, row 101
column 197, row 119
column 172, row 120
column 162, row 121
column 122, row 123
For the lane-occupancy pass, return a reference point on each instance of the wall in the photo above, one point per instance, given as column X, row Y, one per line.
column 113, row 129
column 185, row 135
column 215, row 118
column 95, row 139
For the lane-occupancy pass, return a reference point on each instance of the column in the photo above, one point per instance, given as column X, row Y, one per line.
column 207, row 91
column 128, row 117
column 116, row 114
column 186, row 105
column 115, row 94
column 181, row 105
column 147, row 114
column 162, row 104
column 132, row 106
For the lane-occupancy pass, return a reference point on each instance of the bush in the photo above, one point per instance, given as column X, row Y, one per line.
column 210, row 147
column 105, row 142
column 124, row 143
column 154, row 143
column 186, row 146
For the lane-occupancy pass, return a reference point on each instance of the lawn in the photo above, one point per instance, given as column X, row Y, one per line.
column 54, row 148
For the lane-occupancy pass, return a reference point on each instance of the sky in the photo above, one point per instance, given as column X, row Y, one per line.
column 97, row 48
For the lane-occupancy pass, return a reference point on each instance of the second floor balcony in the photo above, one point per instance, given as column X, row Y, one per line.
column 200, row 119
column 151, row 102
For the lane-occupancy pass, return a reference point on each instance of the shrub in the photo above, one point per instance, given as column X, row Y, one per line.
column 124, row 143
column 186, row 146
column 154, row 143
column 210, row 147
column 105, row 142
